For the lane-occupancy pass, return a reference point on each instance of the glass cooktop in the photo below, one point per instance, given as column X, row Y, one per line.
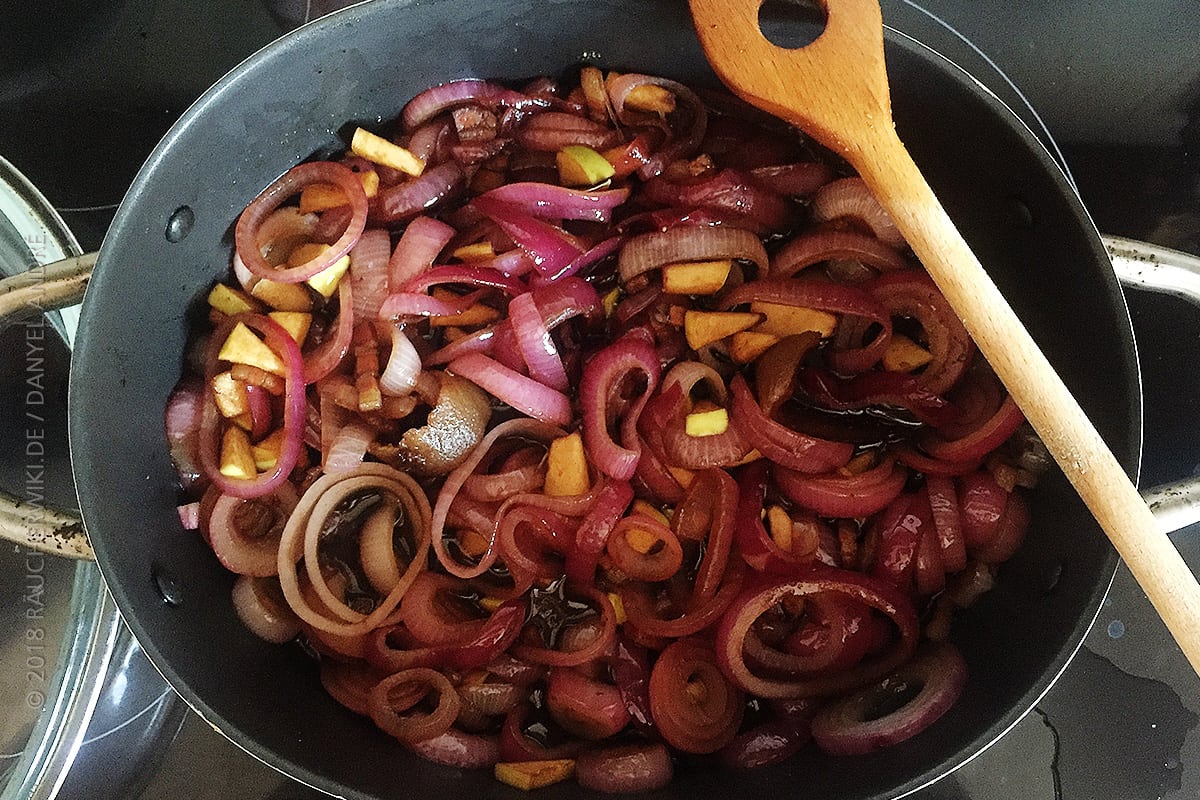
column 86, row 90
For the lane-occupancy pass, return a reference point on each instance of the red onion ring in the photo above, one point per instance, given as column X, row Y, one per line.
column 246, row 232
column 852, row 726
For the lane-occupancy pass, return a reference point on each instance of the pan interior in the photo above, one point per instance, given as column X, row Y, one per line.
column 292, row 101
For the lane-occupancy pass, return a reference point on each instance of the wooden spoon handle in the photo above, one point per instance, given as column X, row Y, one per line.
column 835, row 89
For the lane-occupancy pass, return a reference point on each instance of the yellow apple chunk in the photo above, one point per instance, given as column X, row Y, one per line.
column 784, row 320
column 705, row 327
column 745, row 346
column 566, row 467
column 696, row 277
column 243, row 347
column 534, row 774
column 283, row 296
column 237, row 457
column 232, row 301
column 378, row 150
column 296, row 323
column 266, row 452
column 706, row 423
column 230, row 395
column 904, row 355
column 324, row 196
column 579, row 165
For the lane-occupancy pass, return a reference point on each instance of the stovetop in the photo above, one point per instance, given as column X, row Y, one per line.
column 86, row 90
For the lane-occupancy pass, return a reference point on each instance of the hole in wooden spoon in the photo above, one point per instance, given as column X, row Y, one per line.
column 792, row 24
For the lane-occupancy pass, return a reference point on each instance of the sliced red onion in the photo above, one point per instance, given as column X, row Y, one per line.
column 601, row 405
column 348, row 449
column 828, row 245
column 399, row 375
column 455, row 480
column 406, row 200
column 688, row 105
column 182, row 420
column 865, row 721
column 781, row 444
column 625, row 768
column 798, row 179
column 700, row 243
column 480, row 277
column 912, row 293
column 727, row 191
column 551, row 202
column 419, row 245
column 189, row 515
column 550, row 248
column 695, row 707
column 535, row 343
column 850, row 197
column 524, row 394
column 593, row 532
column 837, row 495
column 433, row 101
column 758, row 599
column 396, row 694
column 325, row 357
column 261, row 608
column 551, row 131
column 246, row 234
column 369, row 272
column 583, row 706
column 249, row 552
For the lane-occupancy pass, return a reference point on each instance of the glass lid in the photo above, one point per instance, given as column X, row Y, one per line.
column 58, row 625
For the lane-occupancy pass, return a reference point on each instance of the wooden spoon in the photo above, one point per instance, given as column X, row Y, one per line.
column 835, row 89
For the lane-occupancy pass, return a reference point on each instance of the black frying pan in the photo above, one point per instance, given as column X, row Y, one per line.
column 173, row 236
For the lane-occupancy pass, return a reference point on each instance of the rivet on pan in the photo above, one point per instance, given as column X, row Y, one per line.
column 168, row 585
column 1022, row 215
column 180, row 223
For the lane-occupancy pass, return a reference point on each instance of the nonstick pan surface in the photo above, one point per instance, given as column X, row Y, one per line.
column 173, row 236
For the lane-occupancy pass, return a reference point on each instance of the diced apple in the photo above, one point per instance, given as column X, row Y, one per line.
column 696, row 277
column 707, row 423
column 610, row 299
column 378, row 150
column 475, row 315
column 566, row 467
column 785, row 320
column 579, row 165
column 231, row 301
column 296, row 323
column 642, row 541
column 266, row 453
column 534, row 774
column 745, row 346
column 779, row 525
column 618, row 607
column 230, row 395
column 324, row 196
column 478, row 251
column 237, row 457
column 646, row 510
column 705, row 327
column 283, row 296
column 904, row 355
column 648, row 97
column 243, row 347
column 326, row 281
column 490, row 604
